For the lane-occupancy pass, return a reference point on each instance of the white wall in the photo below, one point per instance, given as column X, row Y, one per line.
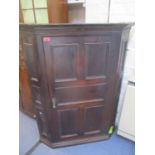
column 126, row 127
column 97, row 11
column 129, row 71
column 76, row 13
column 121, row 11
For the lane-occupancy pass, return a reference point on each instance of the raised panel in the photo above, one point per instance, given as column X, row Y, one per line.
column 27, row 39
column 68, row 123
column 80, row 93
column 42, row 123
column 96, row 58
column 24, row 85
column 93, row 119
column 37, row 95
column 65, row 57
column 30, row 56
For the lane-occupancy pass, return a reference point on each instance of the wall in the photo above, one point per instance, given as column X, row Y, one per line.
column 76, row 13
column 129, row 72
column 97, row 11
column 121, row 11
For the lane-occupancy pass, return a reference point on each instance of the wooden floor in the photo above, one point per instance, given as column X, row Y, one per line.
column 29, row 137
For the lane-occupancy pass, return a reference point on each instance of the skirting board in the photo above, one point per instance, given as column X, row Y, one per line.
column 126, row 135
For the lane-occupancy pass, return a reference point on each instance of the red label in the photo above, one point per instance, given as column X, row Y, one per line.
column 46, row 39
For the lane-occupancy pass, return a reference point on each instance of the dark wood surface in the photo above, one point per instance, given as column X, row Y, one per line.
column 25, row 98
column 75, row 73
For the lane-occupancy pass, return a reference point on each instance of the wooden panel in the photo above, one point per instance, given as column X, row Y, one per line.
column 24, row 85
column 68, row 123
column 70, row 83
column 43, row 128
column 65, row 56
column 25, row 91
column 99, row 56
column 93, row 119
column 30, row 56
column 81, row 93
column 36, row 95
column 96, row 56
column 62, row 52
column 27, row 38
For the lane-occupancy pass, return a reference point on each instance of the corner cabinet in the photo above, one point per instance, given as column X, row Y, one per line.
column 75, row 74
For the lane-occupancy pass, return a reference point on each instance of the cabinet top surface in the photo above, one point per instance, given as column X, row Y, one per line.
column 77, row 25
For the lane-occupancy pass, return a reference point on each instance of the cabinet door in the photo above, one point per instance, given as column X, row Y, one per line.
column 79, row 73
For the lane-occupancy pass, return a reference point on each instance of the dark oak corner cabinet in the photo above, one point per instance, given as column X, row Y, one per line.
column 75, row 74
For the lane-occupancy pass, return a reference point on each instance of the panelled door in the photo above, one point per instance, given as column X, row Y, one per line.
column 80, row 70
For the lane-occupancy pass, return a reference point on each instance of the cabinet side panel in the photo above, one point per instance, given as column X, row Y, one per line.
column 24, row 85
column 33, row 67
